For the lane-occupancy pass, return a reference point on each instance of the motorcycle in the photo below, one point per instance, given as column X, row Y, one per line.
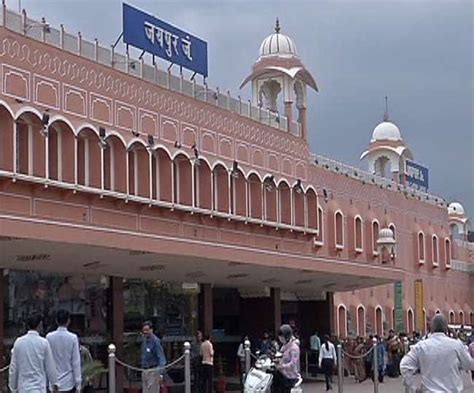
column 260, row 377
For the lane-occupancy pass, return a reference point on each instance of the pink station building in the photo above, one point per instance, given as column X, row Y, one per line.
column 130, row 193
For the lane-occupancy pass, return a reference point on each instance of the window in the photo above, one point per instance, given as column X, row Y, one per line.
column 358, row 241
column 379, row 321
column 319, row 239
column 410, row 320
column 342, row 320
column 447, row 253
column 451, row 317
column 339, row 230
column 421, row 247
column 435, row 251
column 461, row 320
column 361, row 321
column 375, row 236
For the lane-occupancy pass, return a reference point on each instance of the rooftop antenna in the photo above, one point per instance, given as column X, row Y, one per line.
column 385, row 115
column 277, row 26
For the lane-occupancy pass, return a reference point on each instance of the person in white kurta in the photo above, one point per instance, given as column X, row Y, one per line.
column 439, row 359
column 32, row 365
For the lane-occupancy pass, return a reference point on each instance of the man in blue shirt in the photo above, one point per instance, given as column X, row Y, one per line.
column 153, row 358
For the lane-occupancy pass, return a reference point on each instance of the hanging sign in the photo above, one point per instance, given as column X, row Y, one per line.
column 161, row 39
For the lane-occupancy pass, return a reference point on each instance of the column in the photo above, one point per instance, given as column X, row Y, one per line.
column 2, row 322
column 332, row 317
column 117, row 321
column 289, row 113
column 303, row 122
column 275, row 296
column 207, row 308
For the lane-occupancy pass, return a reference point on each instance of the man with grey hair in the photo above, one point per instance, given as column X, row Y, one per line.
column 439, row 360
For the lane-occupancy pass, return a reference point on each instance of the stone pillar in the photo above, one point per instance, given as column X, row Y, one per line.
column 289, row 113
column 275, row 296
column 304, row 123
column 332, row 318
column 207, row 308
column 117, row 320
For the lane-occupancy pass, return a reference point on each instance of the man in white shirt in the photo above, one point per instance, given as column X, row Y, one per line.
column 66, row 354
column 439, row 359
column 32, row 364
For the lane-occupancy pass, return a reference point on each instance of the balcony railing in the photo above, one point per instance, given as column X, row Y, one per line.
column 74, row 43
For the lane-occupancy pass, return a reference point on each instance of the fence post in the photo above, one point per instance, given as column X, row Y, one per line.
column 375, row 365
column 340, row 369
column 187, row 367
column 112, row 350
column 247, row 356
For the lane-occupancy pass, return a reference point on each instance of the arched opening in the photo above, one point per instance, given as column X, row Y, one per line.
column 339, row 229
column 312, row 210
column 375, row 236
column 115, row 165
column 435, row 250
column 455, row 231
column 61, row 152
column 284, row 205
column 163, row 178
column 379, row 321
column 299, row 201
column 421, row 247
column 6, row 150
column 358, row 234
column 88, row 158
column 203, row 179
column 383, row 167
column 461, row 320
column 255, row 196
column 451, row 319
column 447, row 253
column 270, row 198
column 221, row 188
column 183, row 182
column 239, row 193
column 320, row 221
column 31, row 144
column 410, row 321
column 342, row 321
column 138, row 170
column 361, row 321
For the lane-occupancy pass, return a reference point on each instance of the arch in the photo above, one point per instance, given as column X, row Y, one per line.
column 339, row 229
column 120, row 137
column 31, row 143
column 88, row 155
column 299, row 205
column 435, row 250
column 312, row 209
column 360, row 321
column 61, row 150
column 421, row 247
column 358, row 234
column 375, row 236
column 378, row 322
column 383, row 166
column 7, row 107
column 341, row 320
column 451, row 317
column 461, row 318
column 183, row 186
column 221, row 188
column 163, row 175
column 284, row 199
column 164, row 149
column 7, row 136
column 255, row 196
column 239, row 192
column 447, row 253
column 410, row 320
column 270, row 197
column 255, row 173
column 115, row 164
column 203, row 179
column 28, row 109
column 87, row 126
column 218, row 163
column 60, row 118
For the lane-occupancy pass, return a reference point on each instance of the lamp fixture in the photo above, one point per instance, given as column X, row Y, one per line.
column 235, row 170
column 298, row 187
column 151, row 141
column 196, row 160
column 177, row 145
column 268, row 182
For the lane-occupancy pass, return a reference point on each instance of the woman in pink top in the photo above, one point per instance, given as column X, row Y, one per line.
column 207, row 351
column 288, row 366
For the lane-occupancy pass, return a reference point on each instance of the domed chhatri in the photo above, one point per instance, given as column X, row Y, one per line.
column 455, row 208
column 277, row 44
column 386, row 131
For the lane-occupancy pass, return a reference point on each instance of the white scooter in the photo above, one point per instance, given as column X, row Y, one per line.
column 260, row 377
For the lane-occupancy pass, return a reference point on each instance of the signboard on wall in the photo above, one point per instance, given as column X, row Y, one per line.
column 419, row 303
column 398, row 296
column 416, row 175
column 166, row 41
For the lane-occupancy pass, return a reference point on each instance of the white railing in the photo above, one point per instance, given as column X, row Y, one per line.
column 107, row 56
column 369, row 178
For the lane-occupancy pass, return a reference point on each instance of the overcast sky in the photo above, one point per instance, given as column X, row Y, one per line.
column 418, row 52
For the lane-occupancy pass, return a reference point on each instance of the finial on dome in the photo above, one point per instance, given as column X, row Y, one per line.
column 385, row 115
column 277, row 26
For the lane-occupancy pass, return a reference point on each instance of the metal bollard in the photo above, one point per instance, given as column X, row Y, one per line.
column 247, row 356
column 187, row 367
column 112, row 349
column 375, row 365
column 340, row 370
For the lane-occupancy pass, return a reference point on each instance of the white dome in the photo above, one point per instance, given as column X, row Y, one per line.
column 386, row 131
column 386, row 234
column 277, row 44
column 455, row 208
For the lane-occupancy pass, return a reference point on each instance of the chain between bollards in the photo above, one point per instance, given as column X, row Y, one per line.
column 187, row 367
column 112, row 349
column 340, row 370
column 375, row 365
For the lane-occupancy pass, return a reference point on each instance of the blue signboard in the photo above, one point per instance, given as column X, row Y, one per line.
column 416, row 175
column 161, row 39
